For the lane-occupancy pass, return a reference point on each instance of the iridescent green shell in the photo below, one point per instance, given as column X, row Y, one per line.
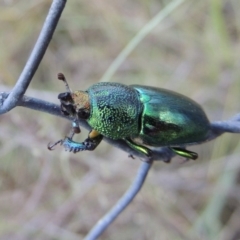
column 115, row 110
column 153, row 116
column 169, row 118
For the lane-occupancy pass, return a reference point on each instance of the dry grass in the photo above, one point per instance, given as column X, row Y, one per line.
column 57, row 195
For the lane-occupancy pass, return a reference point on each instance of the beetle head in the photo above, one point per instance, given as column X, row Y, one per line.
column 67, row 104
column 75, row 104
column 81, row 104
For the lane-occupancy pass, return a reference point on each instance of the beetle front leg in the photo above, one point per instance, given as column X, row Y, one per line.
column 93, row 140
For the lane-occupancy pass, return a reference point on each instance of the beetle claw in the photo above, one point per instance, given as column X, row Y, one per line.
column 51, row 146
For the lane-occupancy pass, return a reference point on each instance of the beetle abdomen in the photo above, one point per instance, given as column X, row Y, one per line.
column 115, row 110
column 169, row 118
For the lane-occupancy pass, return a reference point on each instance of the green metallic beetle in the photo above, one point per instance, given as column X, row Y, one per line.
column 142, row 116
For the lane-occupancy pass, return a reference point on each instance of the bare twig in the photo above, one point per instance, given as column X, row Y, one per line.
column 35, row 57
column 123, row 202
column 163, row 154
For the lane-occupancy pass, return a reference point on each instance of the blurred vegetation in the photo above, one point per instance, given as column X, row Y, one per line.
column 59, row 195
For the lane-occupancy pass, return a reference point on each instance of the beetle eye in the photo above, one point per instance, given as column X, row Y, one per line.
column 83, row 113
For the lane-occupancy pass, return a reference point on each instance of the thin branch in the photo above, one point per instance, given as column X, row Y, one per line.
column 35, row 57
column 163, row 153
column 231, row 126
column 123, row 202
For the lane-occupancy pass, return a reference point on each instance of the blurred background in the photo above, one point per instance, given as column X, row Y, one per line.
column 60, row 195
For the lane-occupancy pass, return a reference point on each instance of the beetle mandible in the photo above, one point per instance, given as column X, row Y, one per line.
column 142, row 116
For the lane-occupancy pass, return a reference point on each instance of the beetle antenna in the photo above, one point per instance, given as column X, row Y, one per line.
column 62, row 78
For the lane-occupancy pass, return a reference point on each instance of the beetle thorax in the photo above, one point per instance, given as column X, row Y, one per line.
column 115, row 110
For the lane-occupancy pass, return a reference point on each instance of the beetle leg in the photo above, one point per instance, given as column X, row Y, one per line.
column 75, row 126
column 74, row 130
column 144, row 150
column 94, row 138
column 185, row 153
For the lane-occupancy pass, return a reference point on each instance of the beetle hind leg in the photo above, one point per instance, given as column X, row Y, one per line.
column 144, row 150
column 184, row 153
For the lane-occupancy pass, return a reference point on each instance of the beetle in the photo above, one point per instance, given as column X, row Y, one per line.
column 142, row 116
